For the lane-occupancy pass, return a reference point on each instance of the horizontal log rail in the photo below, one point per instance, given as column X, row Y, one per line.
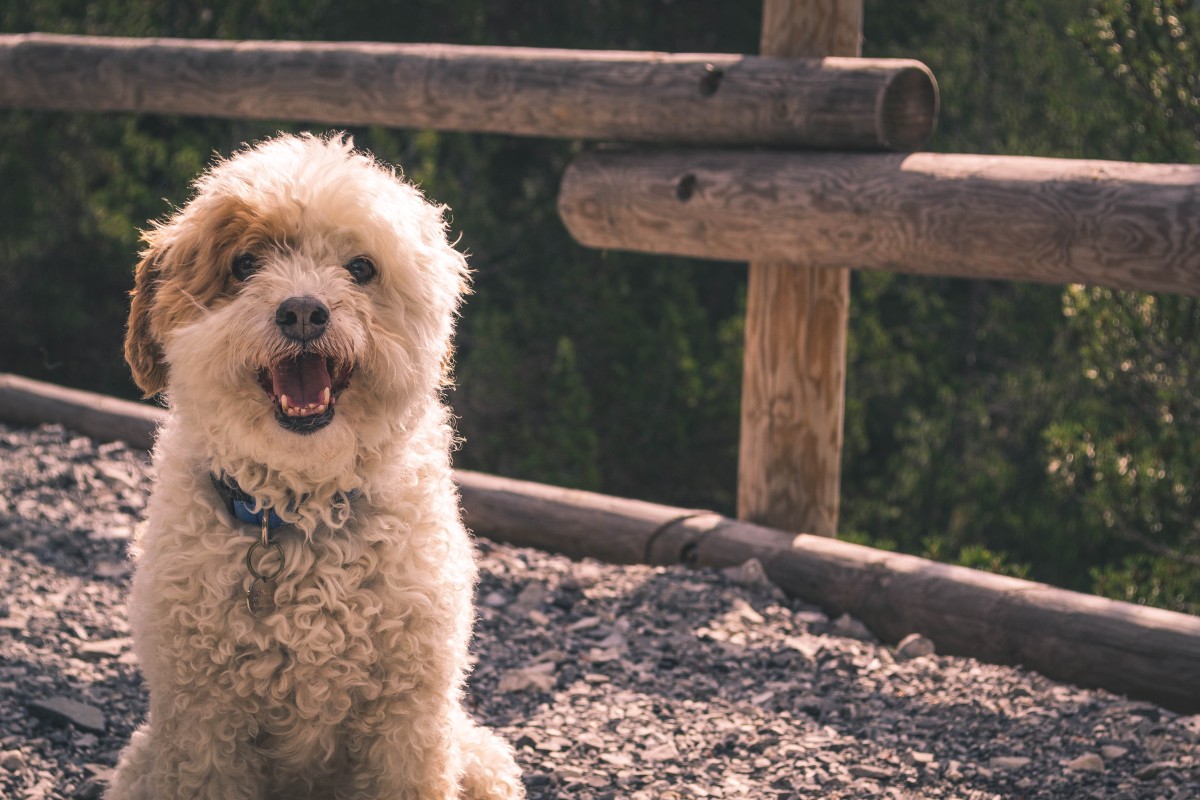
column 1091, row 641
column 24, row 401
column 839, row 103
column 1128, row 226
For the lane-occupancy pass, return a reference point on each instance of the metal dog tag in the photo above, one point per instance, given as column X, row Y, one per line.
column 260, row 597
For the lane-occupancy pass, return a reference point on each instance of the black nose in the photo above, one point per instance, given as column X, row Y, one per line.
column 302, row 318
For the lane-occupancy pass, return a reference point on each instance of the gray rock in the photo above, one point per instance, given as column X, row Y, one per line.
column 872, row 772
column 91, row 789
column 914, row 646
column 848, row 626
column 810, row 617
column 63, row 710
column 1152, row 771
column 750, row 574
column 12, row 760
column 1088, row 762
column 104, row 648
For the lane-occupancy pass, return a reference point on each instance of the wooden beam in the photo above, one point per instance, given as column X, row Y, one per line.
column 1128, row 226
column 634, row 96
column 794, row 369
column 1145, row 652
column 28, row 402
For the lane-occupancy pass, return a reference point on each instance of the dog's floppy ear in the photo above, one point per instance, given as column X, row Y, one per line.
column 143, row 352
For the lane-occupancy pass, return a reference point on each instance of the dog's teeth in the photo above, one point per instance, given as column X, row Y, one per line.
column 283, row 403
column 322, row 408
column 325, row 398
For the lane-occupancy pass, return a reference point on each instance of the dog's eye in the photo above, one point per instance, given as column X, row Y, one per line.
column 245, row 265
column 362, row 269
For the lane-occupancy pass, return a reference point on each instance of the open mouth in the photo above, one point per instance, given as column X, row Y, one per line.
column 305, row 389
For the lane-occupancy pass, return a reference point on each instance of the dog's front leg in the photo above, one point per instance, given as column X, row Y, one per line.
column 182, row 754
column 405, row 752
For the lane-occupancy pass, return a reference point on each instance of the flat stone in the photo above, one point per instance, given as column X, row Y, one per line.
column 848, row 626
column 1111, row 752
column 585, row 624
column 91, row 789
column 1008, row 762
column 530, row 597
column 915, row 646
column 63, row 710
column 538, row 678
column 1088, row 762
column 811, row 617
column 874, row 773
column 750, row 573
column 103, row 648
column 1151, row 771
column 12, row 760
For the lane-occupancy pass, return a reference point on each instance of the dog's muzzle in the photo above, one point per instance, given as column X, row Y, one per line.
column 304, row 386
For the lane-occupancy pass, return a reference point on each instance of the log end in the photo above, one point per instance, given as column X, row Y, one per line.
column 909, row 109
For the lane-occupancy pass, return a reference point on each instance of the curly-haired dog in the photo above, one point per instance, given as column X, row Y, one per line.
column 302, row 598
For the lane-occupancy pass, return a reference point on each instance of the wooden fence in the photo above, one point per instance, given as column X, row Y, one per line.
column 800, row 218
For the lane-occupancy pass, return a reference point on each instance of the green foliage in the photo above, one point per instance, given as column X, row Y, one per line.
column 1150, row 48
column 1127, row 453
column 1165, row 582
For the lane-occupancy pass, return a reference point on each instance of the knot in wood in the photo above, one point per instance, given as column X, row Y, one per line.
column 686, row 187
column 711, row 80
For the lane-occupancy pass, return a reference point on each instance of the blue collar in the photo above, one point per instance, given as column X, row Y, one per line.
column 241, row 505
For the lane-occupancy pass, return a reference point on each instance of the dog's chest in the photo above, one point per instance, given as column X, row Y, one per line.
column 317, row 652
column 324, row 613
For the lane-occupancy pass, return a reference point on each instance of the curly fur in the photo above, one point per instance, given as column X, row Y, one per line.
column 352, row 687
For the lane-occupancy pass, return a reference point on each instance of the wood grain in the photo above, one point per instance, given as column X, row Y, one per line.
column 28, row 402
column 1144, row 652
column 1127, row 226
column 811, row 28
column 789, row 453
column 794, row 369
column 610, row 528
column 636, row 96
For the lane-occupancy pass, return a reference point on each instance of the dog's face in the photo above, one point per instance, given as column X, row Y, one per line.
column 301, row 303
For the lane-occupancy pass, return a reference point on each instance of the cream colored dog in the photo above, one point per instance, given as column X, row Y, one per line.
column 302, row 597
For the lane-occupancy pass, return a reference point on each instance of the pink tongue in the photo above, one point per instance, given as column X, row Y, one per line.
column 304, row 380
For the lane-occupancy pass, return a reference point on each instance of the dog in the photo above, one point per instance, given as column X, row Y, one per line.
column 303, row 588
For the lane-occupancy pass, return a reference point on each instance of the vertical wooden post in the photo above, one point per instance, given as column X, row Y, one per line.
column 794, row 379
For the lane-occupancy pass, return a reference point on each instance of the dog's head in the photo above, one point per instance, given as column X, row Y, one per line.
column 302, row 301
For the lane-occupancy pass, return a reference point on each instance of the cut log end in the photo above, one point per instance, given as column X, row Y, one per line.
column 909, row 109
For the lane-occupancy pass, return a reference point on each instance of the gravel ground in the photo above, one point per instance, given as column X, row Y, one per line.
column 612, row 682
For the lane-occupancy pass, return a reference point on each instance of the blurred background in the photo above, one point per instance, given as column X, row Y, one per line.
column 1044, row 431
